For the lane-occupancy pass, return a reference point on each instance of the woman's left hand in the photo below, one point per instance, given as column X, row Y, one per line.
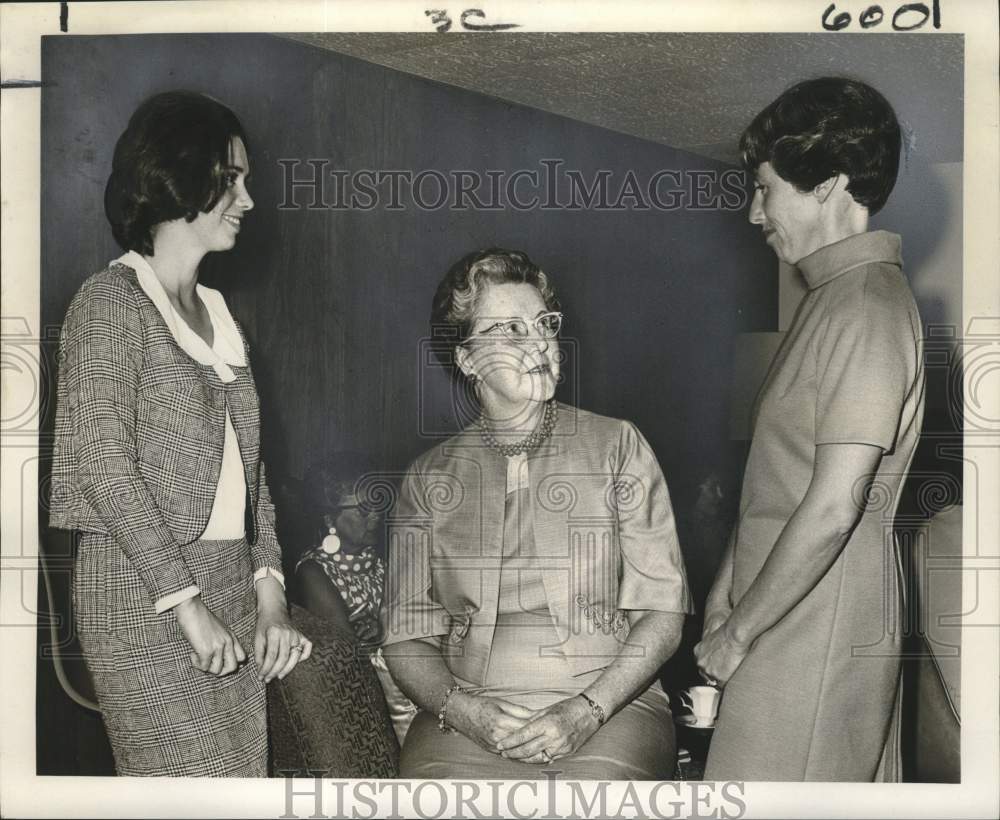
column 719, row 656
column 278, row 646
column 557, row 731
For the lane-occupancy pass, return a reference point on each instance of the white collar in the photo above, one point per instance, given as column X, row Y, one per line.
column 227, row 346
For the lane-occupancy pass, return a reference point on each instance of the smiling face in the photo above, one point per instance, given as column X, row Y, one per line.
column 789, row 218
column 513, row 373
column 216, row 230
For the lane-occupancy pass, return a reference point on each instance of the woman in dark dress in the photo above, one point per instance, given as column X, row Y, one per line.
column 342, row 578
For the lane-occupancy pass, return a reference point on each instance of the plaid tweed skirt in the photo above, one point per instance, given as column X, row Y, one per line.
column 163, row 716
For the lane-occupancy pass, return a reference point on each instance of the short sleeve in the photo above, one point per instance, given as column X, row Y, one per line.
column 410, row 611
column 866, row 365
column 652, row 571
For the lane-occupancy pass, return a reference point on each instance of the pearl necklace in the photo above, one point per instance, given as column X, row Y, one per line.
column 542, row 432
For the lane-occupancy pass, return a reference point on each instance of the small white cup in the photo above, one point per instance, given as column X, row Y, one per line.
column 703, row 701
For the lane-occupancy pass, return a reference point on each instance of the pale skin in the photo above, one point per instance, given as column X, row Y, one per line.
column 512, row 394
column 795, row 224
column 178, row 248
column 804, row 552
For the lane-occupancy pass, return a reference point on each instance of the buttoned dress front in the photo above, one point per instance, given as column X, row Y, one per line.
column 157, row 465
column 817, row 696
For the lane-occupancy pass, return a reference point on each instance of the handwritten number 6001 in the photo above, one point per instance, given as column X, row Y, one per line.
column 873, row 15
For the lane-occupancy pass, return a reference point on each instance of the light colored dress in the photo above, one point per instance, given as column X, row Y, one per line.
column 637, row 743
column 817, row 697
column 522, row 571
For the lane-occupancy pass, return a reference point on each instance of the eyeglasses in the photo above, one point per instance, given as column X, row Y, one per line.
column 547, row 326
column 363, row 508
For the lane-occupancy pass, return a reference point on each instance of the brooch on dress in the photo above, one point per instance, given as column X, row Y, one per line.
column 459, row 628
column 608, row 621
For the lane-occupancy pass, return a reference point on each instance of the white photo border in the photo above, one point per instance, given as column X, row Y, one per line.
column 23, row 794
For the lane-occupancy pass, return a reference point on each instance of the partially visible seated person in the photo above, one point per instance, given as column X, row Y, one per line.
column 341, row 578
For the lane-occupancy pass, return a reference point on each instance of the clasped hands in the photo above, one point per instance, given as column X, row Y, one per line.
column 519, row 733
column 278, row 646
column 718, row 654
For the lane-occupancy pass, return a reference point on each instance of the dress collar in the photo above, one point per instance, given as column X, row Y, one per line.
column 830, row 261
column 227, row 347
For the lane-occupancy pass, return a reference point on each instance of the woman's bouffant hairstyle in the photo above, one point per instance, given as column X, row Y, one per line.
column 454, row 308
column 170, row 163
column 819, row 128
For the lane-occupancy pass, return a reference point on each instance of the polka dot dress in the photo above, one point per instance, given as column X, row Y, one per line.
column 359, row 578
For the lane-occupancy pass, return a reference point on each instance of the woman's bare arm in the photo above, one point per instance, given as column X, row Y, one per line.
column 719, row 603
column 320, row 596
column 566, row 725
column 653, row 639
column 420, row 671
column 806, row 549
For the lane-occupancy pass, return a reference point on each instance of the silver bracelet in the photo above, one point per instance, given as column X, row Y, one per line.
column 595, row 708
column 443, row 713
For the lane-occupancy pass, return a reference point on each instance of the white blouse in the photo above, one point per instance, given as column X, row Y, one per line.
column 226, row 521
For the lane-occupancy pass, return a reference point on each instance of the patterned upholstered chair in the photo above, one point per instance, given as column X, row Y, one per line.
column 329, row 716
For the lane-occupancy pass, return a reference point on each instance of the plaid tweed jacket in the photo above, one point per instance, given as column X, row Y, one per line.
column 139, row 430
column 604, row 541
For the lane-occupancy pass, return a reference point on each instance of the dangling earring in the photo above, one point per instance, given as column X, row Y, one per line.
column 331, row 543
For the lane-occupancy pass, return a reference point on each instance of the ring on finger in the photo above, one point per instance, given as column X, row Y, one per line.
column 296, row 648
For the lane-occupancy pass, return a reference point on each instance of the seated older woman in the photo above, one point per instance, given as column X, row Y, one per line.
column 535, row 582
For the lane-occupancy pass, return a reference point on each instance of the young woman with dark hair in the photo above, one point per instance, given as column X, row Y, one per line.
column 178, row 594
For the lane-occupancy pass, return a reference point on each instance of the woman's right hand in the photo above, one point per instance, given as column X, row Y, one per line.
column 713, row 620
column 486, row 720
column 216, row 649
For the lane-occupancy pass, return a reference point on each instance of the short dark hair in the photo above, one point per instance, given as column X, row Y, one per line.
column 169, row 163
column 822, row 127
column 457, row 297
column 334, row 475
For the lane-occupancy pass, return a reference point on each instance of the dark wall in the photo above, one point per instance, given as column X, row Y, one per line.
column 336, row 301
